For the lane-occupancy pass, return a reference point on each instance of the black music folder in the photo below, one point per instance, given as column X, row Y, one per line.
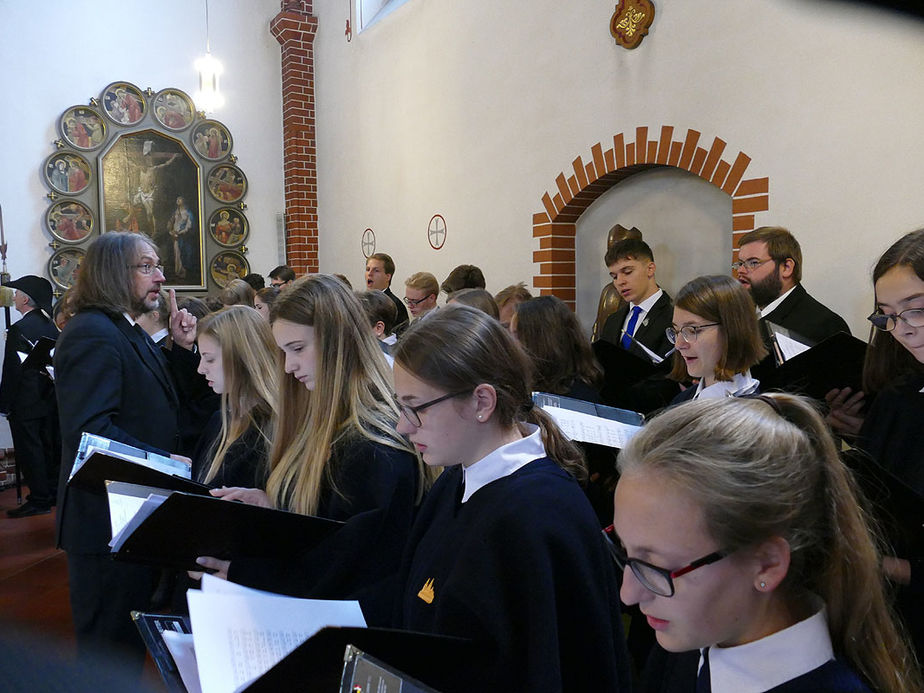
column 836, row 362
column 40, row 355
column 622, row 368
column 317, row 664
column 626, row 416
column 186, row 526
column 99, row 467
column 151, row 627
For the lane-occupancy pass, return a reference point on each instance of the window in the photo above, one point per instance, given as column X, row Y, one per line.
column 370, row 11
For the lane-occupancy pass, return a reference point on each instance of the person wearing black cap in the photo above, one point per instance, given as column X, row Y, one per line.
column 27, row 397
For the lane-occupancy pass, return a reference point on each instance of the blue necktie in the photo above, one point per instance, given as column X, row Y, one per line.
column 626, row 340
column 703, row 682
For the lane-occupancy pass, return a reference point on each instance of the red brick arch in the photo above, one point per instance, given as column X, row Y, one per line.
column 576, row 190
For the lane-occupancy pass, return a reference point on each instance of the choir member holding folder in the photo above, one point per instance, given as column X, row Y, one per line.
column 714, row 331
column 744, row 543
column 506, row 549
column 238, row 358
column 335, row 453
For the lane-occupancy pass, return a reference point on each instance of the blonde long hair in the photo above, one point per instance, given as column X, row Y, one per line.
column 352, row 395
column 767, row 466
column 248, row 359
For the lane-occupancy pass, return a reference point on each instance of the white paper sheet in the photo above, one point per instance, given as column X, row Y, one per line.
column 789, row 346
column 240, row 636
column 592, row 429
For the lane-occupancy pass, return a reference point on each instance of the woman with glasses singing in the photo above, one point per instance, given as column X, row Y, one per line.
column 716, row 339
column 748, row 553
column 894, row 369
column 506, row 549
column 335, row 453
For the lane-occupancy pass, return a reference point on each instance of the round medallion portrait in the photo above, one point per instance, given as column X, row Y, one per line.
column 64, row 266
column 228, row 265
column 227, row 183
column 82, row 128
column 123, row 103
column 228, row 227
column 173, row 109
column 67, row 173
column 69, row 221
column 211, row 140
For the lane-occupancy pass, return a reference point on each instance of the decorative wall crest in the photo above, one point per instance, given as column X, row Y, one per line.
column 631, row 21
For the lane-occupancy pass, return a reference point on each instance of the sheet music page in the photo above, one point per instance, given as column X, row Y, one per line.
column 183, row 651
column 148, row 506
column 592, row 429
column 789, row 346
column 122, row 508
column 239, row 637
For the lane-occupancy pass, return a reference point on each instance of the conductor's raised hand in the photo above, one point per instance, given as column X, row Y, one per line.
column 182, row 324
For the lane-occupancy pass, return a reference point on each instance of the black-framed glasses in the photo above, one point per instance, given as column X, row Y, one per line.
column 913, row 317
column 148, row 268
column 651, row 577
column 414, row 302
column 688, row 332
column 411, row 413
column 750, row 264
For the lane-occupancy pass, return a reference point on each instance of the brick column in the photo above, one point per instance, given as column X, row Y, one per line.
column 295, row 28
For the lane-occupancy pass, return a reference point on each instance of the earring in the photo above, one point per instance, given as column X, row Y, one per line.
column 763, row 585
column 479, row 417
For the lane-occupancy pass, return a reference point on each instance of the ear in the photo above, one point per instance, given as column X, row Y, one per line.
column 772, row 559
column 379, row 329
column 650, row 270
column 485, row 402
column 787, row 267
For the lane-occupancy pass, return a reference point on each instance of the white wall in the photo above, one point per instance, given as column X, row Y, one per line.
column 58, row 53
column 471, row 110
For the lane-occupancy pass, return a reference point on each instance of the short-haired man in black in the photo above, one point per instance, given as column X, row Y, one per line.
column 27, row 397
column 281, row 276
column 380, row 268
column 640, row 324
column 770, row 266
column 112, row 381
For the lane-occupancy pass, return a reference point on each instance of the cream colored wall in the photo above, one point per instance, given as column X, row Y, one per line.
column 471, row 110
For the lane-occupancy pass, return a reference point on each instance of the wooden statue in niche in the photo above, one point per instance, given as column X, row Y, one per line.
column 610, row 299
column 631, row 21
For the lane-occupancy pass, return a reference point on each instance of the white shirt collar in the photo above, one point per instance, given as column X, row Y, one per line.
column 131, row 320
column 391, row 339
column 770, row 307
column 503, row 462
column 159, row 335
column 740, row 384
column 648, row 303
column 773, row 660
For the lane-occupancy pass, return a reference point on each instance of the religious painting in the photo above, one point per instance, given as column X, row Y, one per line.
column 67, row 173
column 150, row 183
column 64, row 266
column 227, row 183
column 228, row 265
column 211, row 140
column 124, row 103
column 69, row 221
column 228, row 227
column 82, row 128
column 173, row 109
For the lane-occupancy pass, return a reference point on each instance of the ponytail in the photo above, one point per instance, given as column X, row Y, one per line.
column 557, row 446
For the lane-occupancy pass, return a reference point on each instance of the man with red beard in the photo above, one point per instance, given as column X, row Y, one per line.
column 770, row 266
column 112, row 380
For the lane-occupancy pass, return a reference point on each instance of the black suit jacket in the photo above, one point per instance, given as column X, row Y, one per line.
column 805, row 316
column 24, row 392
column 652, row 332
column 111, row 381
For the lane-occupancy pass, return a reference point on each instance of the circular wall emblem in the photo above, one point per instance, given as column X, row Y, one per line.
column 436, row 231
column 368, row 242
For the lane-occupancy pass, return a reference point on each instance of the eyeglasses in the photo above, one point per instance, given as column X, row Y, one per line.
column 913, row 317
column 652, row 578
column 414, row 302
column 148, row 268
column 411, row 413
column 750, row 265
column 688, row 332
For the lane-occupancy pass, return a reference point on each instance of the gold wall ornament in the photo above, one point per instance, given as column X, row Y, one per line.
column 631, row 21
